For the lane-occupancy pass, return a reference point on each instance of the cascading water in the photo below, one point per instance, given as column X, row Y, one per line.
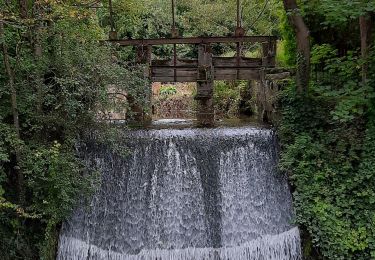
column 186, row 194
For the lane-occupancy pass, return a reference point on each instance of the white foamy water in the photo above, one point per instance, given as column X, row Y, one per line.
column 284, row 246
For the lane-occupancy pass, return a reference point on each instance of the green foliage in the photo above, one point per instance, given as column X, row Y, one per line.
column 322, row 53
column 167, row 91
column 62, row 96
column 343, row 83
column 327, row 135
column 147, row 18
column 281, row 56
column 328, row 151
column 338, row 13
column 287, row 48
column 227, row 97
column 153, row 19
column 55, row 179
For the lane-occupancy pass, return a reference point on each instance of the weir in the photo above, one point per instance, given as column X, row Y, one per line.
column 184, row 194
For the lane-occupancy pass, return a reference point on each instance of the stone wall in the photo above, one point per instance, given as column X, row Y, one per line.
column 265, row 94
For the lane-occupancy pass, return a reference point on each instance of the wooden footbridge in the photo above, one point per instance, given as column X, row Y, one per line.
column 206, row 67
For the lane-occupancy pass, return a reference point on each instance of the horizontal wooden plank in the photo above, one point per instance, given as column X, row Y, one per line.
column 187, row 62
column 179, row 63
column 230, row 74
column 278, row 76
column 219, row 74
column 217, row 62
column 232, row 62
column 170, row 72
column 194, row 40
column 172, row 79
column 168, row 62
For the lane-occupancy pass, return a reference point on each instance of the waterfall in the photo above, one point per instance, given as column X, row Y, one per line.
column 185, row 194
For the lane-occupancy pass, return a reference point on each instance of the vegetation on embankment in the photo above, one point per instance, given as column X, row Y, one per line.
column 173, row 101
column 327, row 134
column 54, row 78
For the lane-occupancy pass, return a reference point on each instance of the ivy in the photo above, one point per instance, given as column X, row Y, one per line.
column 328, row 151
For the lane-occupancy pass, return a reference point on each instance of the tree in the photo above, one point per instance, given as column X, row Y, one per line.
column 339, row 19
column 54, row 79
column 23, row 8
column 366, row 23
column 303, row 44
column 16, row 123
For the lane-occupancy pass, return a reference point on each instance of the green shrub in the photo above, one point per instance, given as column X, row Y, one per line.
column 76, row 73
column 227, row 97
column 328, row 151
column 167, row 91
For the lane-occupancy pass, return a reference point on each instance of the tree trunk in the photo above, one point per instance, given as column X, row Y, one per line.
column 112, row 23
column 366, row 25
column 303, row 44
column 9, row 72
column 38, row 53
column 23, row 8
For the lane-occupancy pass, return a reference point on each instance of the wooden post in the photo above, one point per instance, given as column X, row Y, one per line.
column 269, row 53
column 205, row 114
column 261, row 97
column 143, row 57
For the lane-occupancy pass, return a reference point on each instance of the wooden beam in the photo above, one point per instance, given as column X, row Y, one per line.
column 194, row 40
column 236, row 74
column 278, row 76
column 235, row 62
column 191, row 75
column 218, row 62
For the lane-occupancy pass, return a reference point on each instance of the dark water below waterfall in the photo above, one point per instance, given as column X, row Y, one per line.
column 186, row 194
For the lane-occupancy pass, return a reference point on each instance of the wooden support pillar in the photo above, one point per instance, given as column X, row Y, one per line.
column 262, row 97
column 269, row 54
column 144, row 58
column 139, row 114
column 205, row 114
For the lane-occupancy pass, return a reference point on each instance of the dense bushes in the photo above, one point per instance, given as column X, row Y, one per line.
column 329, row 153
column 327, row 135
column 229, row 99
column 61, row 95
